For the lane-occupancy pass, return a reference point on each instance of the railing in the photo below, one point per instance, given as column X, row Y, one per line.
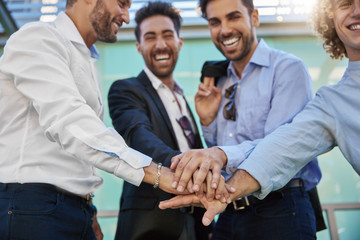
column 329, row 208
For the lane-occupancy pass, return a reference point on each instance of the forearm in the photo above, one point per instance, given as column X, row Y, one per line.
column 243, row 183
column 164, row 178
column 150, row 173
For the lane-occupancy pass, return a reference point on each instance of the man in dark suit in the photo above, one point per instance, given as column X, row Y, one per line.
column 152, row 115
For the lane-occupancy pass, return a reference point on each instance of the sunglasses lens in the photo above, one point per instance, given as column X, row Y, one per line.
column 229, row 110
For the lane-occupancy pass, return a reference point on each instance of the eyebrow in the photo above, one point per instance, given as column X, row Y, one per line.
column 127, row 2
column 163, row 31
column 227, row 15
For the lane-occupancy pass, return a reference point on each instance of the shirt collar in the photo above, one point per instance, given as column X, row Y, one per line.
column 156, row 82
column 69, row 30
column 355, row 65
column 261, row 57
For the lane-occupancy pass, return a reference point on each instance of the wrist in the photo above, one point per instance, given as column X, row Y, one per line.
column 150, row 173
column 221, row 155
column 158, row 174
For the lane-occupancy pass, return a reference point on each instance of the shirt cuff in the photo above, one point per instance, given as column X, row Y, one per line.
column 260, row 174
column 234, row 158
column 133, row 173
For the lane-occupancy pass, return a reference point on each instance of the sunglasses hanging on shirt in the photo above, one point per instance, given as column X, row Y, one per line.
column 229, row 110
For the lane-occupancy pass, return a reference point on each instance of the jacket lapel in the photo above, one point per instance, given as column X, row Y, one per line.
column 143, row 78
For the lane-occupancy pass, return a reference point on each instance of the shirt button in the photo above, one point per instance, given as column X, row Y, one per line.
column 233, row 170
column 130, row 174
column 230, row 135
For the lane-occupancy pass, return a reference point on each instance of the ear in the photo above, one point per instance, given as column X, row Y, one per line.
column 181, row 43
column 255, row 18
column 138, row 47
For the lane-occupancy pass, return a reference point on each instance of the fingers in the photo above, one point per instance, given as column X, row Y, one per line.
column 216, row 171
column 202, row 174
column 221, row 192
column 175, row 160
column 179, row 201
column 184, row 171
column 210, row 192
column 209, row 81
column 230, row 188
column 190, row 186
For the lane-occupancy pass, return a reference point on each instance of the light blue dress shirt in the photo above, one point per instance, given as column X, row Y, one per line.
column 331, row 119
column 273, row 88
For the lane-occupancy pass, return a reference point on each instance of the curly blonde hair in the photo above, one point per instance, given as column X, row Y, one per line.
column 323, row 15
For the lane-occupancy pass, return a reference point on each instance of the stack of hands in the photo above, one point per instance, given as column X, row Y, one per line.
column 195, row 176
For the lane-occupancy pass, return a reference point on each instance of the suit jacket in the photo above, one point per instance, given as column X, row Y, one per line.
column 139, row 115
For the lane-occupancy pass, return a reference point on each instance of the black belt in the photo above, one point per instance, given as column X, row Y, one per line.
column 189, row 210
column 242, row 203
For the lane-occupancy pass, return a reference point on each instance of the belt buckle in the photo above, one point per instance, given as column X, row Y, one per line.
column 244, row 199
column 191, row 210
column 187, row 210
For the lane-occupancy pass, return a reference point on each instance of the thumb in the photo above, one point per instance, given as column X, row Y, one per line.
column 208, row 217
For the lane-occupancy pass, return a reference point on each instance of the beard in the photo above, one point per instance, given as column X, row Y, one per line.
column 101, row 22
column 243, row 52
column 161, row 71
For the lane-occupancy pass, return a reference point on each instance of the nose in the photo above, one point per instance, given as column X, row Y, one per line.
column 160, row 43
column 225, row 29
column 125, row 15
column 356, row 8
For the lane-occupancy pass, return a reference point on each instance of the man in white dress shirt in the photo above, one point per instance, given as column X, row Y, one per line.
column 51, row 133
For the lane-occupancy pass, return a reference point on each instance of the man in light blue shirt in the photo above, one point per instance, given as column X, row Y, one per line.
column 260, row 90
column 330, row 120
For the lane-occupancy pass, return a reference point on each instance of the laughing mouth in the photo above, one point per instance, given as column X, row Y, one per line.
column 162, row 57
column 231, row 42
column 354, row 26
column 116, row 25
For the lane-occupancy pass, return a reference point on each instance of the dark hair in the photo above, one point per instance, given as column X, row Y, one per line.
column 69, row 3
column 247, row 3
column 157, row 8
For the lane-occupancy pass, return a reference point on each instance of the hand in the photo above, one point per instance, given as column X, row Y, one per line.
column 96, row 227
column 165, row 181
column 222, row 192
column 165, row 178
column 203, row 159
column 213, row 208
column 207, row 101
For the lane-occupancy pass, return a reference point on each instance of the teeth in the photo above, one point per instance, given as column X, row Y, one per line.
column 116, row 25
column 230, row 42
column 355, row 27
column 161, row 57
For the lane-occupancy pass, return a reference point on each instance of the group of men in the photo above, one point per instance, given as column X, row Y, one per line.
column 257, row 118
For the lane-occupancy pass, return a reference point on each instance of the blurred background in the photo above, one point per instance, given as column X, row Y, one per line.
column 284, row 25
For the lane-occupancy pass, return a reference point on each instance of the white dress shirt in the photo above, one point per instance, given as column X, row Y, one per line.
column 172, row 107
column 50, row 113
